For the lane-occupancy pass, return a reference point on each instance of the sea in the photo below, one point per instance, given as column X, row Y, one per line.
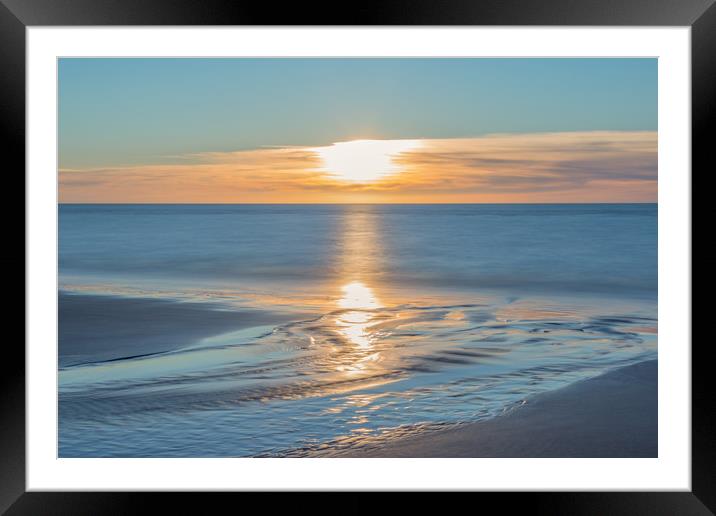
column 284, row 330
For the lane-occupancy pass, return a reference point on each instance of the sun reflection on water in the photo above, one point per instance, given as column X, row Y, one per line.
column 358, row 295
column 358, row 257
column 354, row 324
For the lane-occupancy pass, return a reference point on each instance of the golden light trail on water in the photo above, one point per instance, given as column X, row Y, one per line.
column 354, row 323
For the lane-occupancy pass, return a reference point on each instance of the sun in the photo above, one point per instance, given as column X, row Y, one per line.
column 363, row 160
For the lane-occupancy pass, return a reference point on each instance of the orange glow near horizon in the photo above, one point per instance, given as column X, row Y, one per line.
column 590, row 166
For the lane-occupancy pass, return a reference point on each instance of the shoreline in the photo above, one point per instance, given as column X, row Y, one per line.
column 611, row 415
column 100, row 328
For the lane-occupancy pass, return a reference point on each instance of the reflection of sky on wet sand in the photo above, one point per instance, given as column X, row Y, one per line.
column 371, row 360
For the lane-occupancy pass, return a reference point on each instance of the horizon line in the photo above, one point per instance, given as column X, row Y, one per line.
column 337, row 203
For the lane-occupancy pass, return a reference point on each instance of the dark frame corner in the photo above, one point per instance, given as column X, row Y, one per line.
column 16, row 15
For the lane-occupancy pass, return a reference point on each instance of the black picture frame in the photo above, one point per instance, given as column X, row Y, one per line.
column 16, row 15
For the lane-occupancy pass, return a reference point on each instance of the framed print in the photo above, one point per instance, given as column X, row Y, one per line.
column 419, row 248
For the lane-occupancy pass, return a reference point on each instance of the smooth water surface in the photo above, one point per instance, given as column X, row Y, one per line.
column 235, row 330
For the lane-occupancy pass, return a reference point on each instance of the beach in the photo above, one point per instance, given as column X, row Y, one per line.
column 611, row 415
column 102, row 328
column 356, row 330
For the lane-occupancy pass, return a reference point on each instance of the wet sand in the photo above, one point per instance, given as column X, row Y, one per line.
column 96, row 328
column 612, row 415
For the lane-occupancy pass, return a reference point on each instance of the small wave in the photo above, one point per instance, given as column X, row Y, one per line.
column 351, row 372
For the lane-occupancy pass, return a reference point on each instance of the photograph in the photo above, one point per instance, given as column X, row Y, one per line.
column 413, row 247
column 357, row 257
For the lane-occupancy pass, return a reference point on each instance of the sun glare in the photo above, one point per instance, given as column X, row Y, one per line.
column 356, row 295
column 364, row 160
column 354, row 324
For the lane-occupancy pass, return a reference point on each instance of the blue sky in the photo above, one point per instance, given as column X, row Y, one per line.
column 115, row 112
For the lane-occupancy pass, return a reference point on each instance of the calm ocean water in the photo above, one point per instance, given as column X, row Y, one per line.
column 279, row 329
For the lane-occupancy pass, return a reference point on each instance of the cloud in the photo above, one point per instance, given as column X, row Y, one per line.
column 595, row 166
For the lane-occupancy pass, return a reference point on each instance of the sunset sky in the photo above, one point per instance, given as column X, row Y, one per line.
column 357, row 130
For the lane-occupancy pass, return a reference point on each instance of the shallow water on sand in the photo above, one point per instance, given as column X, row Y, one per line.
column 358, row 354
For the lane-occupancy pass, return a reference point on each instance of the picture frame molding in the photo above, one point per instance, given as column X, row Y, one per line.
column 700, row 15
